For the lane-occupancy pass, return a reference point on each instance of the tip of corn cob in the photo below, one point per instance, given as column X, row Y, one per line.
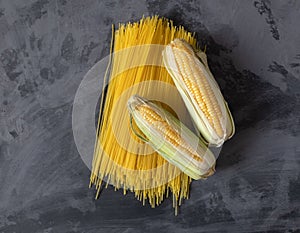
column 199, row 91
column 171, row 139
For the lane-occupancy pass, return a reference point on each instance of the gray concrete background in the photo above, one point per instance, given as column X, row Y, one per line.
column 46, row 47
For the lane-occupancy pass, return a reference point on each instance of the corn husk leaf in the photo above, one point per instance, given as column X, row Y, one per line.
column 199, row 118
column 175, row 154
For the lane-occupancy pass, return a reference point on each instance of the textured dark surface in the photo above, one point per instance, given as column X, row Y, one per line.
column 46, row 47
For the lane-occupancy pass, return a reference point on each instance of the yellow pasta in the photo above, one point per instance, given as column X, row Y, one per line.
column 120, row 157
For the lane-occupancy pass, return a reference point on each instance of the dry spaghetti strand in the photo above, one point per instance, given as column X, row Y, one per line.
column 134, row 169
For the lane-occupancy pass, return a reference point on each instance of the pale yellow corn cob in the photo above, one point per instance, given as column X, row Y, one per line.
column 164, row 128
column 199, row 91
column 171, row 139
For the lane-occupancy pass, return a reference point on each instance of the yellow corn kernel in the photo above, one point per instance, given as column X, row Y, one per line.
column 166, row 130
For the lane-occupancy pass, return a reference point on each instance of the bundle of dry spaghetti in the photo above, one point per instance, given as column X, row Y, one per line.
column 121, row 158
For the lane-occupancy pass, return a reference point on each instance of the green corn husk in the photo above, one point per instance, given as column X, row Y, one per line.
column 188, row 153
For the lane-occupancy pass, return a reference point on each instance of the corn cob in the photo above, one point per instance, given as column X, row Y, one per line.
column 171, row 139
column 200, row 92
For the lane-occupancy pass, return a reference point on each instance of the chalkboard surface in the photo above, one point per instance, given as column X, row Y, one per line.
column 46, row 48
